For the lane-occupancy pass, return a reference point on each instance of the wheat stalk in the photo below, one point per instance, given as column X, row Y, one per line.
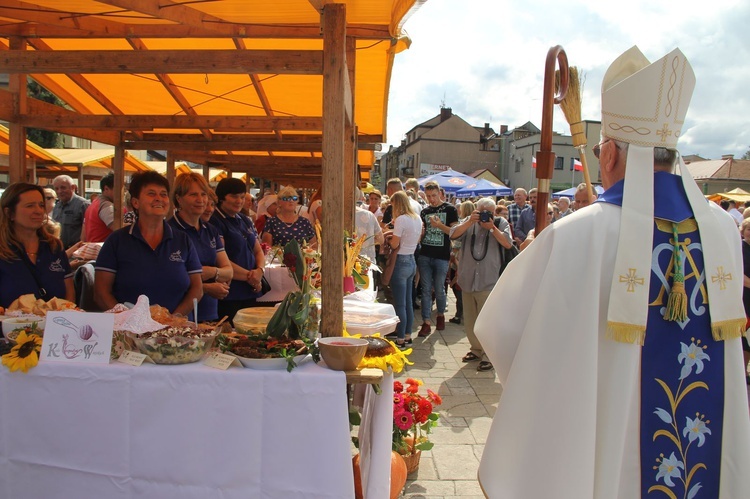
column 571, row 108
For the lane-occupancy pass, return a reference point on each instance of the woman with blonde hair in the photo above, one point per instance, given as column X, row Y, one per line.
column 407, row 229
column 288, row 224
column 190, row 197
column 32, row 261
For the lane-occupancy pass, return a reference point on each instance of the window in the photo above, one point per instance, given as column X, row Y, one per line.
column 559, row 163
column 518, row 166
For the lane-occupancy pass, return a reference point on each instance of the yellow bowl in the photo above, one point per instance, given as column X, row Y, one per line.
column 342, row 354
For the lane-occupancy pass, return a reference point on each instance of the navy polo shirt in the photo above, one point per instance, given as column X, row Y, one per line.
column 16, row 278
column 207, row 243
column 239, row 242
column 162, row 274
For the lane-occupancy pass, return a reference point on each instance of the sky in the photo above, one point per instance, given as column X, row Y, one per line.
column 485, row 60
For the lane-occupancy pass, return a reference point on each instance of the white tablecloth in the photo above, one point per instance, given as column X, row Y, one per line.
column 115, row 431
column 281, row 283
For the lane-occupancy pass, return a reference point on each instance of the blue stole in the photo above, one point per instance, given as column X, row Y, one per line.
column 682, row 367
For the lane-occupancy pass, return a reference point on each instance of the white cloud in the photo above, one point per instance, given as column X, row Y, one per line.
column 485, row 60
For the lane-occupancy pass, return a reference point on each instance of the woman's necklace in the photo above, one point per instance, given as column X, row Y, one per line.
column 288, row 224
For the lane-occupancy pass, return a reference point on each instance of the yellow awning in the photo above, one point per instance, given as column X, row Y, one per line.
column 290, row 29
column 32, row 150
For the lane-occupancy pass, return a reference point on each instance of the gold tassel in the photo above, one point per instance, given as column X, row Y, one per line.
column 677, row 303
column 626, row 333
column 727, row 330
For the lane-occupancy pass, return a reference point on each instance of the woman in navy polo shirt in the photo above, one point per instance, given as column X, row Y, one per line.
column 31, row 260
column 242, row 247
column 149, row 257
column 190, row 197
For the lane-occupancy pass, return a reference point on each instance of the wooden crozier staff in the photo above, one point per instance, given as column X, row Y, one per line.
column 545, row 158
column 571, row 108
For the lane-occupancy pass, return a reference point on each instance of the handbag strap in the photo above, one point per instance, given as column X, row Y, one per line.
column 32, row 270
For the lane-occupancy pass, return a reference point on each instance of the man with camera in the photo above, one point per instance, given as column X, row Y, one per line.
column 482, row 238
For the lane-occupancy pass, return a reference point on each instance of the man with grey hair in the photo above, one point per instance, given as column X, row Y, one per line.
column 582, row 196
column 69, row 211
column 527, row 220
column 648, row 378
column 482, row 238
column 515, row 209
column 564, row 204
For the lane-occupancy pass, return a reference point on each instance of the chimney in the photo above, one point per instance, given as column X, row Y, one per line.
column 486, row 129
column 503, row 129
column 727, row 157
column 445, row 113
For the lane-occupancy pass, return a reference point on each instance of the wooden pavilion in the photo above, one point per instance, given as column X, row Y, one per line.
column 293, row 91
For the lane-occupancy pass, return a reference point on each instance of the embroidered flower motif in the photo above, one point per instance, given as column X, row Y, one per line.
column 695, row 429
column 669, row 468
column 692, row 355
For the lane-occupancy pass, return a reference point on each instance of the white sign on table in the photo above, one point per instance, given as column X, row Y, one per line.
column 77, row 337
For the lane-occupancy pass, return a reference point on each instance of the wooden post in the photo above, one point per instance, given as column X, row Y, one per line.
column 170, row 169
column 118, row 165
column 206, row 172
column 350, row 136
column 334, row 150
column 16, row 132
column 81, row 181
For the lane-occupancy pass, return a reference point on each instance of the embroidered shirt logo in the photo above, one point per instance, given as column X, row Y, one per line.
column 56, row 266
column 213, row 243
column 176, row 257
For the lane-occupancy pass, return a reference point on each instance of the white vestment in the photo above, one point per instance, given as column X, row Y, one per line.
column 567, row 425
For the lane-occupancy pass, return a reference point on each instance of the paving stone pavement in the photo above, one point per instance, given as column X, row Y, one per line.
column 469, row 402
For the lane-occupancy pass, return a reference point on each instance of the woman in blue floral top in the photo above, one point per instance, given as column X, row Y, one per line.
column 287, row 224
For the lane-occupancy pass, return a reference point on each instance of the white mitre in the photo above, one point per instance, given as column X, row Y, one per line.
column 644, row 104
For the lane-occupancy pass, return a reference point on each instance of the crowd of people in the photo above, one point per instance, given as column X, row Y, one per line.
column 179, row 243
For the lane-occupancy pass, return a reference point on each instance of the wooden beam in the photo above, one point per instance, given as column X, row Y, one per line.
column 16, row 132
column 236, row 161
column 334, row 111
column 151, row 122
column 34, row 29
column 118, row 165
column 293, row 62
column 170, row 168
column 219, row 143
column 36, row 107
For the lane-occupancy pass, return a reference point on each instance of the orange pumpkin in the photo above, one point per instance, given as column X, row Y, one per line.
column 398, row 475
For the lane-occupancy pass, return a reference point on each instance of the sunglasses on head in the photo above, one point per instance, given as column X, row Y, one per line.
column 289, row 198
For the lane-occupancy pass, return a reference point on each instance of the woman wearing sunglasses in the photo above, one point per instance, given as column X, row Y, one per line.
column 287, row 224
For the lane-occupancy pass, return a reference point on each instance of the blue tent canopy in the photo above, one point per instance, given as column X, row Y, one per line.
column 483, row 187
column 572, row 191
column 450, row 180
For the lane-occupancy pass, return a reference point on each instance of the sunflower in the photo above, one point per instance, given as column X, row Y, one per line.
column 25, row 354
column 395, row 358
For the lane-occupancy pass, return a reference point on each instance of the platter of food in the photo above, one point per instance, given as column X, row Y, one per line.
column 174, row 344
column 263, row 352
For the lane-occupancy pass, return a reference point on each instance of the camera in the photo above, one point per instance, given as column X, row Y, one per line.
column 485, row 216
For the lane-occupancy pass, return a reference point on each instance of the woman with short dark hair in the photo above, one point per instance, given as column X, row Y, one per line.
column 149, row 257
column 242, row 247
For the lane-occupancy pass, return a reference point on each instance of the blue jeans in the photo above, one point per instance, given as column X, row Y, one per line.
column 402, row 284
column 432, row 272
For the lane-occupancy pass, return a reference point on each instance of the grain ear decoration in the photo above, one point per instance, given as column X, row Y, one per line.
column 571, row 108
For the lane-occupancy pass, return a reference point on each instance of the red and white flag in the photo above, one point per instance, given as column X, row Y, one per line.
column 533, row 162
column 577, row 165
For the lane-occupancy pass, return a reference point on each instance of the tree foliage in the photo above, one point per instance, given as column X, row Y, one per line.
column 746, row 155
column 43, row 138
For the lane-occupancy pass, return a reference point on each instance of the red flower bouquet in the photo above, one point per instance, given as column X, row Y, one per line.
column 413, row 417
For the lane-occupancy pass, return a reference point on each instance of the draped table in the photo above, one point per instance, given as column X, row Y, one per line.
column 190, row 431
